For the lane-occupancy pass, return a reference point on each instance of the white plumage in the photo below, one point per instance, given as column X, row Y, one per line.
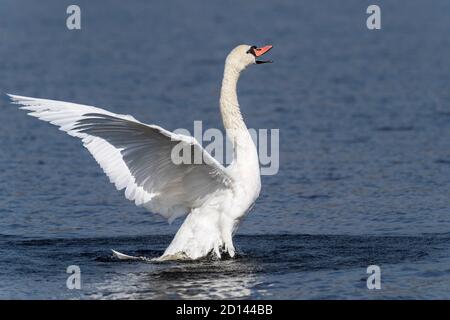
column 137, row 158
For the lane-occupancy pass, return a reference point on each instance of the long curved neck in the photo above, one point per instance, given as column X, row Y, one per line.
column 244, row 150
column 229, row 105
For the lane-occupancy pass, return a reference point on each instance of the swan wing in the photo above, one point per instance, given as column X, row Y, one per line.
column 137, row 156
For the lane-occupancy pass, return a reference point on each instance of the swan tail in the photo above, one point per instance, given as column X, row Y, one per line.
column 125, row 257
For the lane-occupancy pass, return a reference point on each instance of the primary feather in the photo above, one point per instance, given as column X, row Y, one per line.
column 136, row 156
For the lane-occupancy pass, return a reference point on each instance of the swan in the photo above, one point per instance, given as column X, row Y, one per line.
column 137, row 157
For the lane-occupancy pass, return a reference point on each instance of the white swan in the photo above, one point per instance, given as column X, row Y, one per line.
column 137, row 157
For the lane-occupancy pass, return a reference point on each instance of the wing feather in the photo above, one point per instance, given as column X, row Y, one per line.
column 136, row 156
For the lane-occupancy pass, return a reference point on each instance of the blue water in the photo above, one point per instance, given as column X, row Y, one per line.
column 364, row 120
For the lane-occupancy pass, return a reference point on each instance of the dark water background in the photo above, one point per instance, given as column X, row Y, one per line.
column 364, row 120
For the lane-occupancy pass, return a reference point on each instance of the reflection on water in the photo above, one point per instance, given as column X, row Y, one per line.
column 230, row 279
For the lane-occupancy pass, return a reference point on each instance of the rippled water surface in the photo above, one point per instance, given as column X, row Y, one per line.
column 364, row 120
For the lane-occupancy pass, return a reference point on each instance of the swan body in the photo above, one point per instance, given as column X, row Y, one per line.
column 137, row 158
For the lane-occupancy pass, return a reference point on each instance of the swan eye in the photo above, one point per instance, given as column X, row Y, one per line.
column 252, row 50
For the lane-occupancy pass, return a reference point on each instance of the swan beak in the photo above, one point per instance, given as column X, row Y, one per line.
column 261, row 51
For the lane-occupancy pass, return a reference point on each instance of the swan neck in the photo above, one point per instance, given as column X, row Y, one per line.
column 229, row 104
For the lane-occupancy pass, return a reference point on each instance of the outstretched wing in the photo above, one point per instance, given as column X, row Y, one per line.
column 136, row 156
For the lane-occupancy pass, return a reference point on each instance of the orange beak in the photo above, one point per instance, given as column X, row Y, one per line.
column 260, row 51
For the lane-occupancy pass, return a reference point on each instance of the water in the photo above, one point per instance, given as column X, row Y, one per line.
column 364, row 122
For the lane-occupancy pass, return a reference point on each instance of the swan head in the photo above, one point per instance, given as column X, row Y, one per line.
column 244, row 55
